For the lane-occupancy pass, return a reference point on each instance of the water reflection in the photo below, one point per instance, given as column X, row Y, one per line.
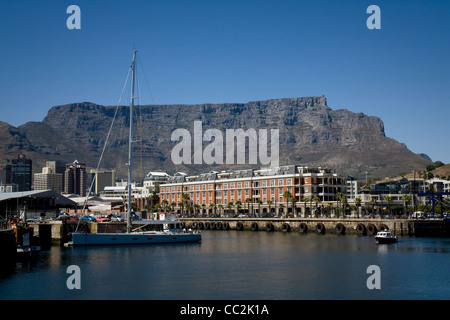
column 240, row 265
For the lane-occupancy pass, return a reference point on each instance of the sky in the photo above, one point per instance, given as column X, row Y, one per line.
column 219, row 51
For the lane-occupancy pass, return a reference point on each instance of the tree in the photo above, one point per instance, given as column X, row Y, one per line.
column 213, row 206
column 248, row 201
column 287, row 195
column 184, row 201
column 406, row 199
column 164, row 204
column 259, row 201
column 269, row 202
column 329, row 208
column 281, row 206
column 196, row 207
column 305, row 201
column 374, row 202
column 238, row 205
column 316, row 201
column 229, row 205
column 389, row 202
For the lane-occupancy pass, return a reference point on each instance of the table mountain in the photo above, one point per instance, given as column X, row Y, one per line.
column 310, row 133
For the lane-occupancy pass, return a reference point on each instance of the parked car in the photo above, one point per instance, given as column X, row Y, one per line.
column 117, row 218
column 101, row 219
column 89, row 218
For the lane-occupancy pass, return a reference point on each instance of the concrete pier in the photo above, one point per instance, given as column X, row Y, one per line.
column 399, row 227
column 57, row 231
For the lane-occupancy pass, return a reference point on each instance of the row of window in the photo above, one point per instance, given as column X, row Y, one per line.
column 246, row 184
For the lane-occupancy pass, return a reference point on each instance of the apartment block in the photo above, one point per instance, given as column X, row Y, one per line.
column 263, row 190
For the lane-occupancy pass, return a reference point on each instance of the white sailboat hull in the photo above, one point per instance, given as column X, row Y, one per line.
column 88, row 239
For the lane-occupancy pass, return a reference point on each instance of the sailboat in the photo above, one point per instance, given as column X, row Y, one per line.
column 166, row 230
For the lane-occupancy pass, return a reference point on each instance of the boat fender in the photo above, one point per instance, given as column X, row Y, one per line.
column 361, row 228
column 254, row 226
column 226, row 226
column 269, row 226
column 239, row 226
column 383, row 227
column 303, row 227
column 285, row 227
column 320, row 228
column 200, row 225
column 340, row 228
column 372, row 229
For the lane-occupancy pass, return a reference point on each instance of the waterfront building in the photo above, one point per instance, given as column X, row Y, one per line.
column 352, row 188
column 21, row 172
column 153, row 180
column 75, row 178
column 281, row 190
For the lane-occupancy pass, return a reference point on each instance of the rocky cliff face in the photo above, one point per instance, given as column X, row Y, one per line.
column 310, row 133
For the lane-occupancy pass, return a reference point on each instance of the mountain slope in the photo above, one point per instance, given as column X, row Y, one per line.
column 310, row 133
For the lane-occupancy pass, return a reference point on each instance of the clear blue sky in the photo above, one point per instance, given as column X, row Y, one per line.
column 218, row 51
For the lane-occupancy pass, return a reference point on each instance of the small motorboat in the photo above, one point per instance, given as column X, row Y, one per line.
column 385, row 236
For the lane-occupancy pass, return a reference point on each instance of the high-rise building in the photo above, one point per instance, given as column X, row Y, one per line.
column 75, row 178
column 5, row 174
column 104, row 178
column 49, row 179
column 21, row 172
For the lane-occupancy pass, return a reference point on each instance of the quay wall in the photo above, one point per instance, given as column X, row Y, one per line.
column 51, row 232
column 399, row 227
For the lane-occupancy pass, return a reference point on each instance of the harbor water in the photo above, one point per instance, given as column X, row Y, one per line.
column 236, row 265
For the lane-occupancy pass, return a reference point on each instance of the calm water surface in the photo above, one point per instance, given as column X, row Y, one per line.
column 241, row 265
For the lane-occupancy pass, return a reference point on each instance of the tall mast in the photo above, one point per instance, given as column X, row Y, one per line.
column 130, row 141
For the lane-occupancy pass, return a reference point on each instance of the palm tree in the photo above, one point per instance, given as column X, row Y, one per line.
column 259, row 201
column 329, row 207
column 196, row 207
column 269, row 202
column 173, row 205
column 184, row 200
column 339, row 199
column 344, row 204
column 164, row 204
column 281, row 206
column 213, row 206
column 317, row 201
column 287, row 195
column 203, row 208
column 389, row 201
column 248, row 201
column 294, row 208
column 229, row 205
column 305, row 201
column 238, row 205
column 406, row 199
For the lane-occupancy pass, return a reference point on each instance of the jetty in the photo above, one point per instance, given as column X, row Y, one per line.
column 58, row 232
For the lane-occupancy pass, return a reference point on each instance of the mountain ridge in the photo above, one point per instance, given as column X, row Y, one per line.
column 310, row 133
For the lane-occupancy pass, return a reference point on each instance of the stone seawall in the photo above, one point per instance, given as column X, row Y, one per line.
column 399, row 227
column 58, row 231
